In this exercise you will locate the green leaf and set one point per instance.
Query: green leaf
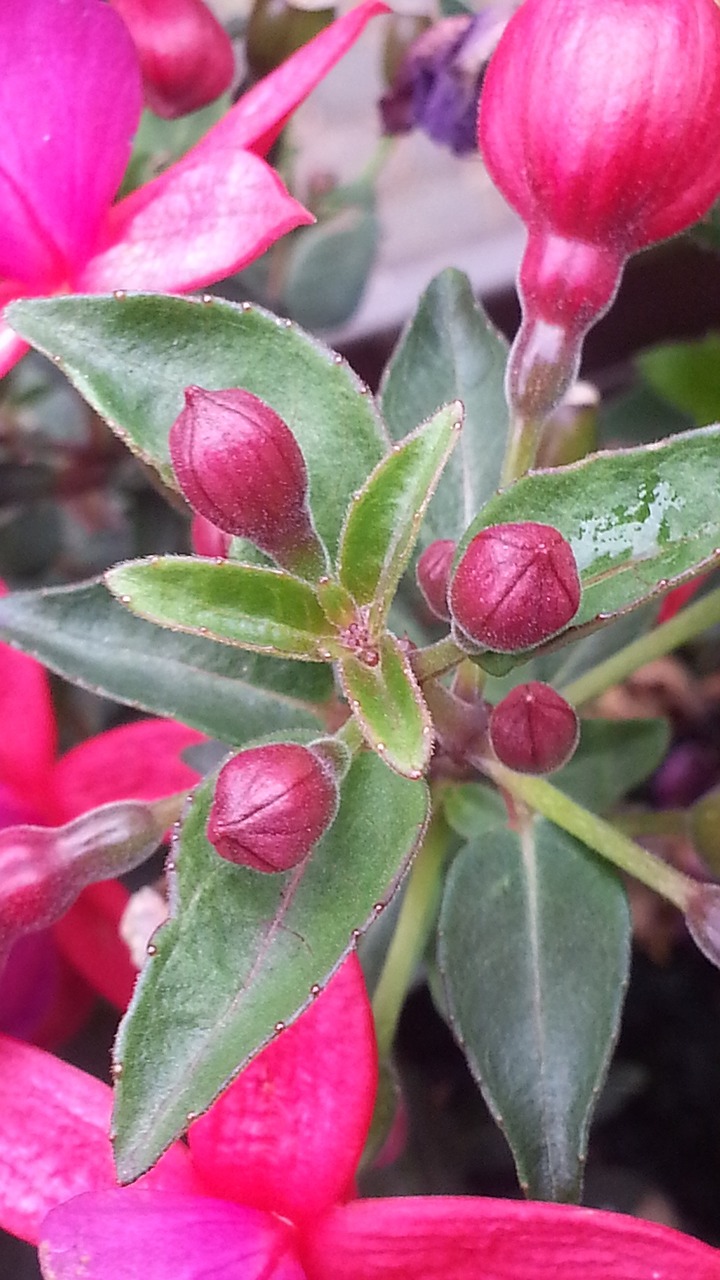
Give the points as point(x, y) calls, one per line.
point(639, 416)
point(473, 808)
point(613, 757)
point(534, 944)
point(132, 357)
point(246, 951)
point(687, 374)
point(83, 633)
point(450, 351)
point(386, 514)
point(329, 267)
point(241, 604)
point(387, 702)
point(638, 520)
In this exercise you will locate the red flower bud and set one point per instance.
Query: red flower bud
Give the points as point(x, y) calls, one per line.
point(598, 124)
point(271, 805)
point(515, 586)
point(186, 57)
point(240, 466)
point(433, 575)
point(533, 729)
point(208, 540)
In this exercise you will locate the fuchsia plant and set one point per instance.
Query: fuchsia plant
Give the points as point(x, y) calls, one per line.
point(357, 735)
point(242, 1207)
point(71, 87)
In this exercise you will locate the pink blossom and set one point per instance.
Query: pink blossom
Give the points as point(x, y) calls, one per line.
point(264, 1192)
point(70, 95)
point(51, 976)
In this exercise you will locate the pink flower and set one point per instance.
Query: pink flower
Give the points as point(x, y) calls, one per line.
point(70, 94)
point(263, 1193)
point(51, 976)
point(186, 57)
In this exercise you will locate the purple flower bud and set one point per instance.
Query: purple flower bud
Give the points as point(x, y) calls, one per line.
point(533, 729)
point(271, 805)
point(437, 85)
point(433, 575)
point(515, 586)
point(240, 466)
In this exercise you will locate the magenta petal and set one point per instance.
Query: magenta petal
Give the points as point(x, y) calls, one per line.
point(258, 116)
point(12, 348)
point(288, 1134)
point(137, 761)
point(454, 1238)
point(27, 741)
point(136, 1235)
point(70, 102)
point(208, 215)
point(54, 1122)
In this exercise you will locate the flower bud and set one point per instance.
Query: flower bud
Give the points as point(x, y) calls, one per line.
point(533, 729)
point(277, 28)
point(240, 466)
point(433, 575)
point(515, 586)
point(597, 123)
point(208, 540)
point(271, 805)
point(186, 57)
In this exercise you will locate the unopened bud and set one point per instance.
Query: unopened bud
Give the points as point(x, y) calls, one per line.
point(433, 575)
point(278, 28)
point(240, 466)
point(597, 124)
point(43, 869)
point(186, 57)
point(271, 805)
point(208, 540)
point(533, 729)
point(515, 586)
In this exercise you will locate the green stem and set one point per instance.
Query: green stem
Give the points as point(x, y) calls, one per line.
point(436, 659)
point(653, 822)
point(597, 834)
point(685, 626)
point(522, 445)
point(418, 911)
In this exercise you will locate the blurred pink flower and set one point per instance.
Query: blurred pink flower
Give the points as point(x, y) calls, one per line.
point(263, 1192)
point(51, 977)
point(70, 96)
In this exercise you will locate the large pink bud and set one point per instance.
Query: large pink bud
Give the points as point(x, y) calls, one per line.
point(515, 586)
point(271, 805)
point(433, 575)
point(598, 122)
point(186, 57)
point(533, 729)
point(240, 466)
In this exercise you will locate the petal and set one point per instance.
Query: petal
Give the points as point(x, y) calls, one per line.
point(137, 761)
point(258, 117)
point(208, 215)
point(451, 1238)
point(119, 1234)
point(88, 936)
point(70, 99)
point(12, 348)
point(42, 999)
point(54, 1123)
point(27, 727)
point(287, 1135)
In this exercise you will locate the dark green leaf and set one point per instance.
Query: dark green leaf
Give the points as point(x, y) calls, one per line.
point(329, 267)
point(687, 374)
point(389, 706)
point(386, 514)
point(473, 808)
point(241, 604)
point(132, 357)
point(534, 950)
point(639, 416)
point(450, 351)
point(245, 951)
point(638, 520)
point(86, 635)
point(613, 757)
